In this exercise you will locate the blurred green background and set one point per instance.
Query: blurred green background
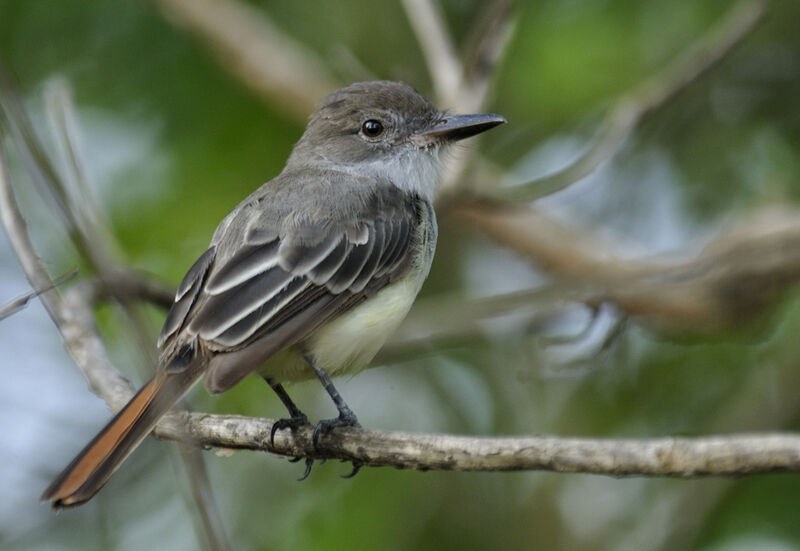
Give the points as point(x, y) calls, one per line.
point(171, 142)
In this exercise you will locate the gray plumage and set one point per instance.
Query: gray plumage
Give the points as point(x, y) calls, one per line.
point(308, 276)
point(341, 222)
point(350, 214)
point(233, 295)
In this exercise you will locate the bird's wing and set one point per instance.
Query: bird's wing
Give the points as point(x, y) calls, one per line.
point(275, 290)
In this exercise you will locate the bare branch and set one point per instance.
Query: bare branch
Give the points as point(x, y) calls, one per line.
point(732, 280)
point(494, 29)
point(438, 49)
point(349, 65)
point(201, 498)
point(463, 90)
point(630, 109)
point(718, 456)
point(17, 233)
point(251, 47)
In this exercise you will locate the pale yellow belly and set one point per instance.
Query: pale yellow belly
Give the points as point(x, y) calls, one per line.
point(347, 344)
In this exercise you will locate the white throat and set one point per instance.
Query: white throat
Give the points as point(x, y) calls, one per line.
point(412, 170)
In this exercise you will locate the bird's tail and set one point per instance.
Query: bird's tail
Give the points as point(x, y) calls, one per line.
point(95, 464)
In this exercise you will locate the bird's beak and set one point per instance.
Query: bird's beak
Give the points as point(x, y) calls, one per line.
point(451, 128)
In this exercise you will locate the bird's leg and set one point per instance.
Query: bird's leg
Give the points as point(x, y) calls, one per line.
point(297, 418)
point(346, 416)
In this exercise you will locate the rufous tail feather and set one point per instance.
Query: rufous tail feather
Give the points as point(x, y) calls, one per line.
point(95, 464)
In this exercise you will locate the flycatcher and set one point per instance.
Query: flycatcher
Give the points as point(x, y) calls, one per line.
point(307, 277)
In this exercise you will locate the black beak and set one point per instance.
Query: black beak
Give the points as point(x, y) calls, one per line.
point(451, 128)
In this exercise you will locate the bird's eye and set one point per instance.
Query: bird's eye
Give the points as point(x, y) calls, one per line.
point(372, 128)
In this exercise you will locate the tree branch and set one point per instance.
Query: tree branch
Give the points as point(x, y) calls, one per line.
point(14, 306)
point(732, 280)
point(434, 38)
point(712, 455)
point(648, 96)
point(251, 47)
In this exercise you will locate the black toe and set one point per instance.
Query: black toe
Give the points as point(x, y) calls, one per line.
point(356, 467)
point(309, 464)
point(346, 419)
point(290, 423)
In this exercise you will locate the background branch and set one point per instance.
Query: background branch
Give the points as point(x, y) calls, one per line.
point(252, 48)
point(93, 237)
point(437, 46)
point(648, 96)
point(732, 280)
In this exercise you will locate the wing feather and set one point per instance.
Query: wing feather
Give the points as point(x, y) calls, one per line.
point(249, 324)
point(350, 269)
point(220, 311)
point(297, 258)
point(247, 263)
point(281, 284)
point(395, 251)
point(188, 292)
point(367, 271)
point(323, 271)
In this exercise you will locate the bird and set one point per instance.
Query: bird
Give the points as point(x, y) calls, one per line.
point(307, 277)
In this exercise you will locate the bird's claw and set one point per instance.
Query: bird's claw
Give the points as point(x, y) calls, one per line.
point(309, 463)
point(356, 467)
point(290, 423)
point(346, 419)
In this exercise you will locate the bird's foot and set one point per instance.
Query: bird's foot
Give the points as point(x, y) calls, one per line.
point(346, 419)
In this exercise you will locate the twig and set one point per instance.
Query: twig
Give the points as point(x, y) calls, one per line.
point(19, 303)
point(17, 233)
point(349, 65)
point(630, 109)
point(494, 29)
point(201, 498)
point(92, 229)
point(93, 244)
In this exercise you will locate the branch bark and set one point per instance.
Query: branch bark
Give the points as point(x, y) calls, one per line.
point(701, 456)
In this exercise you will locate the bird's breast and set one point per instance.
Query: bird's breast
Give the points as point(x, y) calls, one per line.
point(348, 343)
